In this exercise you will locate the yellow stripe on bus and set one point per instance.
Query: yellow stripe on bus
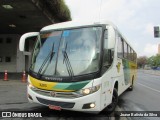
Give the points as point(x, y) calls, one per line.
point(42, 84)
point(46, 85)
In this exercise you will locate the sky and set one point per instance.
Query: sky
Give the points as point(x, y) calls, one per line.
point(135, 19)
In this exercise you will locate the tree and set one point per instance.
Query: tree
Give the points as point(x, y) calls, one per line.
point(157, 60)
point(141, 61)
point(154, 61)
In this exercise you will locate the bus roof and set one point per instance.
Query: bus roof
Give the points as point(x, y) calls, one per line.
point(73, 24)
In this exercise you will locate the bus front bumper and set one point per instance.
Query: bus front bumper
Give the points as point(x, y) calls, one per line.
point(88, 103)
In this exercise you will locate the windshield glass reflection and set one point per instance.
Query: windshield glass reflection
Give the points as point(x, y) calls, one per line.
point(68, 52)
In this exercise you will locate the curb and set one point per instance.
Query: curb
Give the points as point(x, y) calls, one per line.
point(157, 73)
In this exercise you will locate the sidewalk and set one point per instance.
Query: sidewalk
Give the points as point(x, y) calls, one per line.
point(152, 72)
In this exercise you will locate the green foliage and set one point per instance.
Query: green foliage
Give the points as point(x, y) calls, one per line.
point(58, 8)
point(154, 61)
point(64, 11)
point(141, 61)
point(61, 10)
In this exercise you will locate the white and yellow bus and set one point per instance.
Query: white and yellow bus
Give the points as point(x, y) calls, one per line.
point(80, 66)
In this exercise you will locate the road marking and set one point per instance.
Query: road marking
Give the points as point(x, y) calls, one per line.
point(149, 87)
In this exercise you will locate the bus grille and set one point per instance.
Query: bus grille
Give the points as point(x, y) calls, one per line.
point(62, 104)
point(57, 94)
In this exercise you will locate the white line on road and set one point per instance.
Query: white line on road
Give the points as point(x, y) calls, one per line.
point(149, 87)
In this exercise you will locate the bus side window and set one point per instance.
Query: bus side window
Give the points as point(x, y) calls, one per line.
point(135, 57)
point(129, 52)
point(120, 48)
point(132, 57)
point(125, 50)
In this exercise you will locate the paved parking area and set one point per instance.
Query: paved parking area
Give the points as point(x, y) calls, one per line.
point(13, 96)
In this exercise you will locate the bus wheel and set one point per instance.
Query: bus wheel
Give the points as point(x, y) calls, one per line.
point(110, 108)
point(131, 87)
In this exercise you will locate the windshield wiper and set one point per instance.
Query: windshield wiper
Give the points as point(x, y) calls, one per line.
point(50, 55)
point(67, 62)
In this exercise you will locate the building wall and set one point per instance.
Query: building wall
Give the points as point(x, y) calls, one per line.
point(20, 66)
point(11, 59)
point(159, 49)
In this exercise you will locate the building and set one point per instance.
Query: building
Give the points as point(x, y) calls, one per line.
point(159, 49)
point(19, 17)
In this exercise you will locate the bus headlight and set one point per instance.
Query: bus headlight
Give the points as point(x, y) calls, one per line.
point(31, 86)
point(88, 91)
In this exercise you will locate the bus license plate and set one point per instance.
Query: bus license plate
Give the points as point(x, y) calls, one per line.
point(53, 107)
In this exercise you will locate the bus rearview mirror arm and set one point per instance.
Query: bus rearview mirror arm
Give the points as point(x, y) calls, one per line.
point(24, 37)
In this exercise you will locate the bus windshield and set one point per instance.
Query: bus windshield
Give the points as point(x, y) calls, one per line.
point(67, 52)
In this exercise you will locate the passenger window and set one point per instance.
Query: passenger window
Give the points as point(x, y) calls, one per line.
point(120, 48)
point(135, 57)
point(132, 57)
point(125, 49)
point(129, 53)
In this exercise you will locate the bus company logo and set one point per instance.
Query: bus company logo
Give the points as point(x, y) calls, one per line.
point(52, 93)
point(55, 79)
point(118, 67)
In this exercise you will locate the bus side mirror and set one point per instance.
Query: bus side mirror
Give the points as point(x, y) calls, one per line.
point(110, 34)
point(23, 39)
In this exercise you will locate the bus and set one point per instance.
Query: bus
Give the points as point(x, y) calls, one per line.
point(79, 66)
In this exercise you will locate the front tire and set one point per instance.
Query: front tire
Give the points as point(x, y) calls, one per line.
point(110, 108)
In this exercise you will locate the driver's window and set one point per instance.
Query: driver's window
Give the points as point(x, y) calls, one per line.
point(107, 53)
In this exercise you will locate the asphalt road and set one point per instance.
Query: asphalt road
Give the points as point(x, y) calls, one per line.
point(144, 97)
